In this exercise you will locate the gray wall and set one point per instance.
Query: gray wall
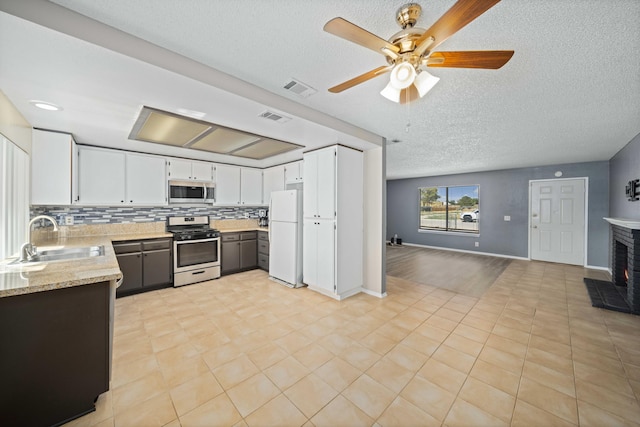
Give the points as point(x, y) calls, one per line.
point(624, 166)
point(503, 192)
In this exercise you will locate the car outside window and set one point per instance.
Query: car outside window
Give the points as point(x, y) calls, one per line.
point(450, 208)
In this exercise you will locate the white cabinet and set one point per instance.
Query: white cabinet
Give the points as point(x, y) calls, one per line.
point(189, 170)
point(54, 168)
point(272, 180)
point(101, 176)
point(320, 184)
point(333, 221)
point(250, 186)
point(145, 180)
point(293, 172)
point(113, 177)
point(237, 185)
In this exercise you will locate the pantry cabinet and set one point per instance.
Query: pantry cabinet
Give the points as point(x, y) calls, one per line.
point(333, 221)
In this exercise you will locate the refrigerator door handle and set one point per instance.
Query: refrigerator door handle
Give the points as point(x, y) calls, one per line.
point(269, 224)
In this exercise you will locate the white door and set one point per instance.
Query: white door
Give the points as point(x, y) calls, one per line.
point(326, 265)
point(179, 169)
point(310, 252)
point(310, 201)
point(283, 251)
point(557, 221)
point(272, 180)
point(284, 206)
point(227, 185)
point(251, 186)
point(145, 180)
point(101, 178)
point(327, 183)
point(201, 171)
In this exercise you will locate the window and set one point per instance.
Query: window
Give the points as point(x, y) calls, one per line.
point(450, 208)
point(14, 197)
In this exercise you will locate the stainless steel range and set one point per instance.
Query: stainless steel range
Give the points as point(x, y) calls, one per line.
point(196, 249)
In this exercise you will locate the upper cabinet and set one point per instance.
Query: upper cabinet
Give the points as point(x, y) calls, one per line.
point(112, 177)
point(272, 180)
point(237, 185)
point(189, 170)
point(319, 184)
point(293, 172)
point(54, 164)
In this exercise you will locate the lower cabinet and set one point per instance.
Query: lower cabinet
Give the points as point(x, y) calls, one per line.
point(239, 252)
point(145, 265)
point(263, 250)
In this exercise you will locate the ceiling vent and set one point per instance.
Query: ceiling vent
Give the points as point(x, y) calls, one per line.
point(276, 117)
point(299, 88)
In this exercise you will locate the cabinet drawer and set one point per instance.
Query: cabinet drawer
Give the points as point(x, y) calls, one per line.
point(249, 235)
point(263, 235)
point(126, 248)
point(263, 247)
point(230, 237)
point(263, 261)
point(154, 245)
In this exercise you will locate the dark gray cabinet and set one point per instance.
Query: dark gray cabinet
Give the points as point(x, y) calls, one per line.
point(145, 265)
point(263, 250)
point(239, 252)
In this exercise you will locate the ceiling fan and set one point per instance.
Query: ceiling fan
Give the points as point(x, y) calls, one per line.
point(411, 49)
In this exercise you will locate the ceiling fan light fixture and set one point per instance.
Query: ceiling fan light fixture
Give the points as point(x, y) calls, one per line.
point(402, 75)
point(424, 82)
point(391, 93)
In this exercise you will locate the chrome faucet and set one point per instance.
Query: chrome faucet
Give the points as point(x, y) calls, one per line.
point(28, 251)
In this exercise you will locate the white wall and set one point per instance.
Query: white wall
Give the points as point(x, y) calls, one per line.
point(374, 208)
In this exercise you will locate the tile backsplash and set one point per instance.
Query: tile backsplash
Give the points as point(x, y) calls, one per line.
point(124, 215)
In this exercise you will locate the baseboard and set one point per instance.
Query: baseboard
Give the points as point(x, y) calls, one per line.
point(595, 267)
point(466, 251)
point(374, 293)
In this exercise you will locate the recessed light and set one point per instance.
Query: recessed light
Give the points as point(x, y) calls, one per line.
point(46, 105)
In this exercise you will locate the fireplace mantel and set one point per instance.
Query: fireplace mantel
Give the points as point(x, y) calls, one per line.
point(633, 224)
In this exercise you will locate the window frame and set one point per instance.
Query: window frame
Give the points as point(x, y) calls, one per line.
point(447, 229)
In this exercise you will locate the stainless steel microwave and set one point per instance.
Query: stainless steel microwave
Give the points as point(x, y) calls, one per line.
point(192, 192)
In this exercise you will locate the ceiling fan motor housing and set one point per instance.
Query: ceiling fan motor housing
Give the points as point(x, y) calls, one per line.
point(408, 14)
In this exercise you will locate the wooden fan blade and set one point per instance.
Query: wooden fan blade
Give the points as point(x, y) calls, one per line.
point(490, 59)
point(342, 28)
point(361, 79)
point(460, 14)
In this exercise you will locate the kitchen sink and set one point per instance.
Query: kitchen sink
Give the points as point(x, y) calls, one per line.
point(63, 254)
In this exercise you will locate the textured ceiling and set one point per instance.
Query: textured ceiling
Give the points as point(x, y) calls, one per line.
point(569, 94)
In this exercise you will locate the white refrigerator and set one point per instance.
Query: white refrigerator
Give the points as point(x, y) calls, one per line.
point(285, 237)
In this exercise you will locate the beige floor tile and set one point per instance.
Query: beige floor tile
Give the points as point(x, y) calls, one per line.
point(550, 346)
point(369, 395)
point(433, 332)
point(507, 345)
point(475, 334)
point(218, 411)
point(252, 393)
point(548, 399)
point(550, 378)
point(169, 340)
point(527, 415)
point(420, 343)
point(511, 333)
point(338, 373)
point(293, 342)
point(490, 399)
point(463, 344)
point(620, 404)
point(378, 342)
point(136, 392)
point(464, 414)
point(310, 394)
point(221, 355)
point(194, 393)
point(156, 411)
point(429, 397)
point(313, 356)
point(442, 375)
point(360, 356)
point(208, 342)
point(286, 372)
point(278, 412)
point(267, 355)
point(495, 376)
point(550, 360)
point(235, 371)
point(454, 358)
point(390, 374)
point(441, 322)
point(407, 357)
point(402, 413)
point(179, 372)
point(594, 375)
point(124, 373)
point(591, 415)
point(341, 412)
point(604, 363)
point(635, 386)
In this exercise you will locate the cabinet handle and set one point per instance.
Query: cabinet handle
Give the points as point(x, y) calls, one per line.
point(198, 272)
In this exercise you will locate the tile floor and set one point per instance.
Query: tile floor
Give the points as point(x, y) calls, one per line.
point(243, 350)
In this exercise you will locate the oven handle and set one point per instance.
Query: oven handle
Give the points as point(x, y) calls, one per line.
point(182, 242)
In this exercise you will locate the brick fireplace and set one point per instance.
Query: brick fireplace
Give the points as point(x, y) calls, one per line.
point(625, 263)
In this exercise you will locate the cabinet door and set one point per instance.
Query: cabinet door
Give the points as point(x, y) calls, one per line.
point(272, 180)
point(293, 172)
point(248, 254)
point(131, 267)
point(310, 199)
point(179, 169)
point(251, 186)
point(326, 183)
point(227, 185)
point(310, 251)
point(201, 171)
point(101, 179)
point(230, 260)
point(326, 255)
point(156, 267)
point(146, 184)
point(52, 160)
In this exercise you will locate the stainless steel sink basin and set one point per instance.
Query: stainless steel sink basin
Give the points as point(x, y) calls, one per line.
point(63, 254)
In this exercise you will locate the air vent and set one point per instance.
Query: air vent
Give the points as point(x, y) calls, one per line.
point(276, 117)
point(299, 88)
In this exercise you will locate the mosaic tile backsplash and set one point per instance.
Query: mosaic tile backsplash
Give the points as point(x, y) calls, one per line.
point(124, 215)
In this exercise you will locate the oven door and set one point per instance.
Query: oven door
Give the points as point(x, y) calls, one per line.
point(194, 254)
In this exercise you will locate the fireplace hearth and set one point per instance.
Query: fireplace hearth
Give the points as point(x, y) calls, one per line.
point(623, 292)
